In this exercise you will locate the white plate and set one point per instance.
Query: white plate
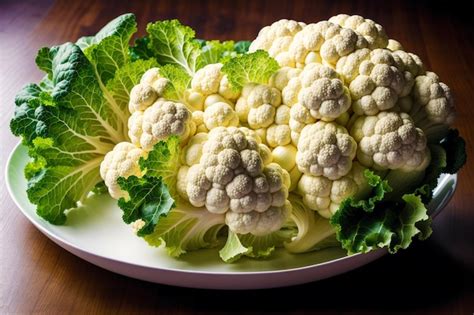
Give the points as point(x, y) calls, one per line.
point(95, 232)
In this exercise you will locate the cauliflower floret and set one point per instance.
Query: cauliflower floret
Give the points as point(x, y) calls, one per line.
point(325, 149)
point(258, 223)
point(390, 141)
point(324, 195)
point(137, 225)
point(322, 92)
point(162, 119)
point(278, 135)
point(182, 181)
point(122, 161)
point(324, 42)
point(432, 107)
point(276, 39)
point(141, 97)
point(227, 91)
point(394, 45)
point(257, 105)
point(207, 79)
point(281, 78)
point(375, 81)
point(300, 116)
point(192, 152)
point(144, 94)
point(220, 114)
point(372, 32)
point(231, 175)
point(152, 77)
point(135, 129)
point(198, 119)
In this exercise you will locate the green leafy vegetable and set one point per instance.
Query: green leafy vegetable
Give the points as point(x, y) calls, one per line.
point(179, 81)
point(163, 161)
point(187, 228)
point(173, 43)
point(362, 226)
point(242, 47)
point(75, 115)
point(254, 246)
point(149, 201)
point(255, 67)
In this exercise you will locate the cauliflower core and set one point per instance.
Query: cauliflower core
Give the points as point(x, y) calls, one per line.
point(231, 178)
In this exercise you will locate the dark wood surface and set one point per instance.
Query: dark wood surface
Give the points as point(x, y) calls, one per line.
point(433, 277)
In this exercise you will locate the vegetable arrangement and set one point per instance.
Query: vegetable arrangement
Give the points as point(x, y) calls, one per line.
point(312, 135)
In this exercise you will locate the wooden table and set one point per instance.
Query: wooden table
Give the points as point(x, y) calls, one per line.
point(434, 277)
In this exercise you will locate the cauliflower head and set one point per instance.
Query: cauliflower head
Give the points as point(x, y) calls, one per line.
point(231, 177)
point(325, 149)
point(390, 140)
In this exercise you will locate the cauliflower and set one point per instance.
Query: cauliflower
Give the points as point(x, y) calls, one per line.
point(158, 122)
point(208, 86)
point(150, 88)
point(257, 105)
point(325, 195)
point(321, 90)
point(276, 39)
point(372, 32)
point(122, 161)
point(390, 140)
point(220, 114)
point(231, 178)
point(431, 106)
point(375, 82)
point(325, 149)
point(324, 42)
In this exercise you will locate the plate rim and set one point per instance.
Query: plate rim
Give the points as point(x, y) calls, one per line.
point(70, 247)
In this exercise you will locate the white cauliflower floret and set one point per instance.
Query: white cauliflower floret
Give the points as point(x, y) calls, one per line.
point(220, 114)
point(257, 105)
point(372, 32)
point(394, 45)
point(122, 161)
point(231, 175)
point(324, 42)
point(162, 119)
point(281, 78)
point(325, 149)
point(192, 152)
point(278, 135)
point(375, 81)
point(390, 141)
point(198, 119)
point(431, 106)
point(207, 79)
point(141, 97)
point(300, 116)
point(137, 225)
point(276, 39)
point(324, 195)
point(322, 92)
point(144, 94)
point(258, 223)
point(227, 91)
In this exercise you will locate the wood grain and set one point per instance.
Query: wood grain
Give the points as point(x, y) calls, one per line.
point(434, 277)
